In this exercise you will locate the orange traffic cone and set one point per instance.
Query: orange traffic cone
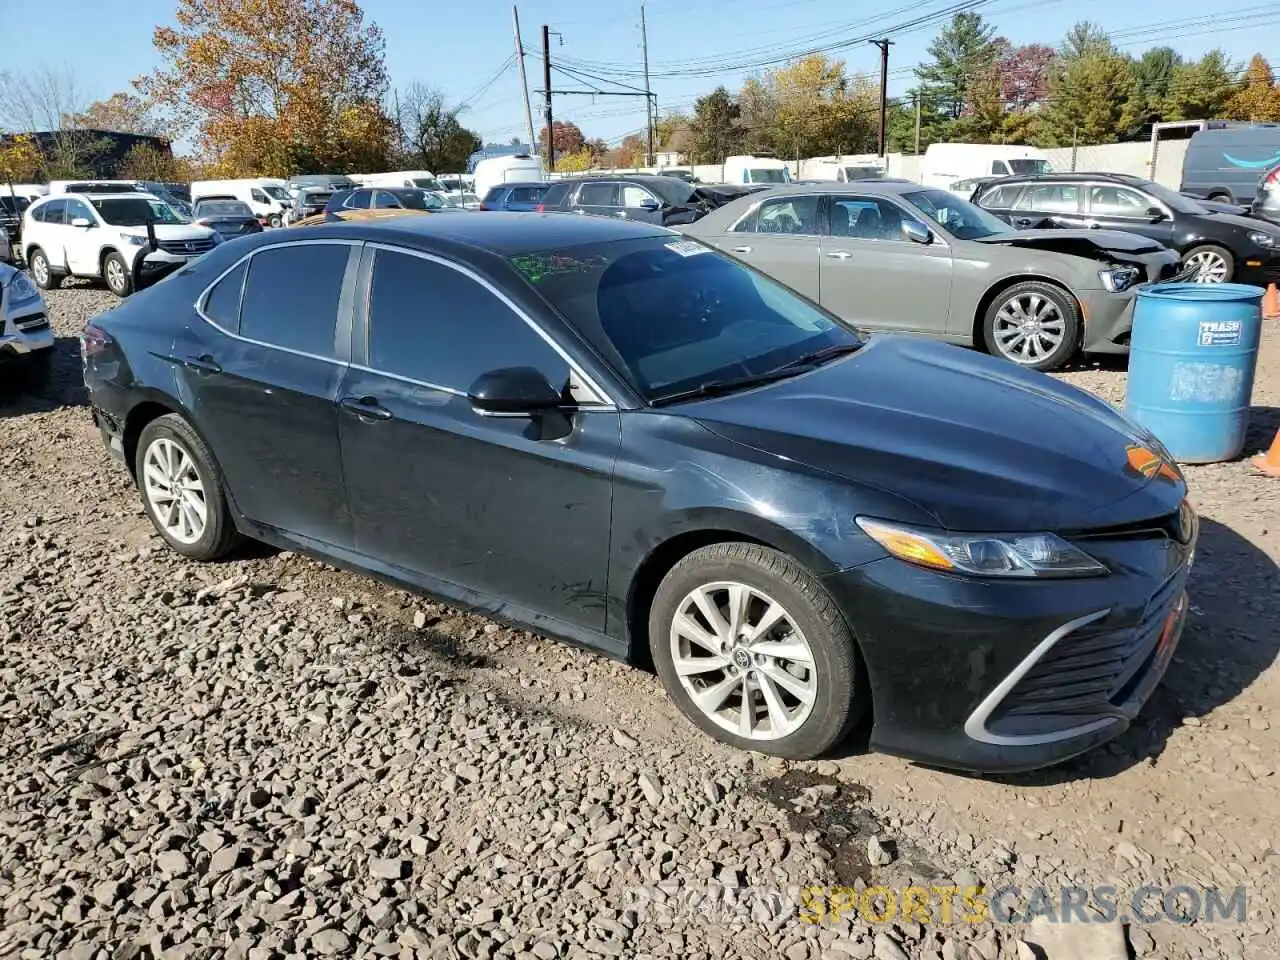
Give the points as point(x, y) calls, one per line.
point(1269, 462)
point(1271, 303)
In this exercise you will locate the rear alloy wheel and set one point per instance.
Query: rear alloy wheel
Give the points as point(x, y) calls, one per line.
point(1213, 264)
point(1034, 324)
point(181, 491)
point(753, 650)
point(42, 273)
point(274, 220)
point(116, 272)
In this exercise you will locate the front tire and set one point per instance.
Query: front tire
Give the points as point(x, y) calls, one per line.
point(116, 272)
point(753, 650)
point(1033, 324)
point(181, 489)
point(1214, 264)
point(274, 220)
point(42, 273)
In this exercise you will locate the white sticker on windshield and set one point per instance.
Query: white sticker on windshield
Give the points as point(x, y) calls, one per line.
point(687, 248)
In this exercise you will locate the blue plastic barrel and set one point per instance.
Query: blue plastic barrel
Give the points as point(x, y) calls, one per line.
point(1192, 356)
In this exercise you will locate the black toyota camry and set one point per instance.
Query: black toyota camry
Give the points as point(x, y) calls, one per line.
point(607, 433)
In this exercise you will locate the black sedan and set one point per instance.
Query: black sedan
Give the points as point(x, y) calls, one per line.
point(599, 430)
point(1220, 247)
point(226, 217)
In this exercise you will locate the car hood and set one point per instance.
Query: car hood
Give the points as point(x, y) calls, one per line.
point(1249, 224)
point(1084, 243)
point(977, 442)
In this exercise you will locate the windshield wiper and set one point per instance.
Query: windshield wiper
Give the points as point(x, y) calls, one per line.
point(816, 357)
point(714, 388)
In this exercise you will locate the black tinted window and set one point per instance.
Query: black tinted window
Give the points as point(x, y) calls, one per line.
point(556, 194)
point(291, 297)
point(431, 323)
point(222, 306)
point(525, 194)
point(598, 195)
point(53, 211)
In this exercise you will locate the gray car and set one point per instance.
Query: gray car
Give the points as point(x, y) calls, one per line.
point(900, 257)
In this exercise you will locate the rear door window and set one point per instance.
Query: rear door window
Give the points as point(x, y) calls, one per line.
point(524, 195)
point(599, 195)
point(291, 297)
point(1050, 198)
point(796, 215)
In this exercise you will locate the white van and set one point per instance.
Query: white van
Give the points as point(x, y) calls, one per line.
point(516, 168)
point(423, 179)
point(267, 197)
point(749, 169)
point(947, 163)
point(32, 191)
point(867, 166)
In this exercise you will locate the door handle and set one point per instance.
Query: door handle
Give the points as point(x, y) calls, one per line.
point(366, 407)
point(741, 249)
point(202, 364)
point(839, 254)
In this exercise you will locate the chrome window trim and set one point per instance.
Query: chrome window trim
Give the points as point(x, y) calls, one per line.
point(603, 400)
point(204, 296)
point(976, 726)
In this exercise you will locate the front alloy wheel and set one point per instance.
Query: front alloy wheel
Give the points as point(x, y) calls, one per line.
point(753, 650)
point(1034, 324)
point(1211, 264)
point(116, 272)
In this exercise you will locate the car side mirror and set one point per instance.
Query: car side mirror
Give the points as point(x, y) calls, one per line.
point(82, 222)
point(514, 392)
point(916, 232)
point(1155, 213)
point(648, 203)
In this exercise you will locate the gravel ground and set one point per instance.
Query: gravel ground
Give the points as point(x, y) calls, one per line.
point(270, 758)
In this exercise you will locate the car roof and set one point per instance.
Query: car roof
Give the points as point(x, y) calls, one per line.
point(873, 185)
point(596, 177)
point(1068, 177)
point(501, 233)
point(120, 195)
point(521, 183)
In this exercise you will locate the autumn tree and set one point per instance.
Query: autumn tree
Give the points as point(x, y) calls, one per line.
point(146, 162)
point(1004, 97)
point(1201, 89)
point(1258, 99)
point(122, 113)
point(716, 131)
point(432, 136)
point(20, 159)
point(819, 110)
point(628, 154)
point(566, 137)
point(276, 87)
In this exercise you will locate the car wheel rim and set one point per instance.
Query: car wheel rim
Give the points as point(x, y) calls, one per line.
point(40, 268)
point(1029, 327)
point(1209, 267)
point(743, 661)
point(115, 275)
point(174, 490)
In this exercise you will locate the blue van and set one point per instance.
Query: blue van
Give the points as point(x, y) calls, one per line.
point(1226, 163)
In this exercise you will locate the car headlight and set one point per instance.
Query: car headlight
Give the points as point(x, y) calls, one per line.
point(1119, 279)
point(1023, 555)
point(21, 289)
point(133, 240)
point(1268, 240)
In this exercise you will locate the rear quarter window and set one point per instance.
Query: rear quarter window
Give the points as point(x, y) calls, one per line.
point(222, 305)
point(555, 195)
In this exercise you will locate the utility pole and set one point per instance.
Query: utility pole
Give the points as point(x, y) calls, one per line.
point(546, 86)
point(649, 111)
point(884, 46)
point(524, 83)
point(917, 123)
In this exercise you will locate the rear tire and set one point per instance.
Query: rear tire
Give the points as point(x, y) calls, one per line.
point(274, 220)
point(799, 670)
point(42, 273)
point(182, 489)
point(1040, 317)
point(116, 273)
point(1220, 198)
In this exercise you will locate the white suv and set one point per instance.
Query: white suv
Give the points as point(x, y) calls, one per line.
point(104, 236)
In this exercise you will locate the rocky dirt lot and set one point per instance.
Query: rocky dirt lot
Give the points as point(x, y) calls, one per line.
point(269, 758)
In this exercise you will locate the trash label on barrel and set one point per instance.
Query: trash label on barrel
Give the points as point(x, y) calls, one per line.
point(1220, 333)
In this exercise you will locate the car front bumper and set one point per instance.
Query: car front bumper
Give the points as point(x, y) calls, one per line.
point(1108, 320)
point(990, 676)
point(25, 333)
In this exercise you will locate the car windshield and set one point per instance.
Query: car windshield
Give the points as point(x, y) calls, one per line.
point(1170, 198)
point(674, 191)
point(674, 315)
point(11, 203)
point(134, 211)
point(426, 183)
point(276, 192)
point(767, 175)
point(223, 208)
point(863, 173)
point(1029, 168)
point(956, 216)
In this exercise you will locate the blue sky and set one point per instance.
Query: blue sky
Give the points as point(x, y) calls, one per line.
point(461, 47)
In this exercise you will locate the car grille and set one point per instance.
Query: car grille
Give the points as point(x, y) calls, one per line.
point(1092, 671)
point(32, 324)
point(186, 248)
